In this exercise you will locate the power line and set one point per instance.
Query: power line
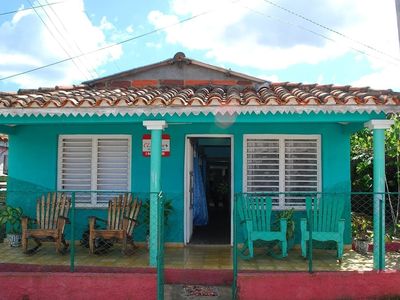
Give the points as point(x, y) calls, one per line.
point(29, 8)
point(54, 37)
point(330, 29)
point(109, 46)
point(67, 48)
point(88, 67)
point(317, 33)
point(205, 13)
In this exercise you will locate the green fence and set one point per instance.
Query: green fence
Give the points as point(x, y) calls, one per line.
point(84, 206)
point(358, 215)
point(359, 233)
point(2, 206)
point(160, 245)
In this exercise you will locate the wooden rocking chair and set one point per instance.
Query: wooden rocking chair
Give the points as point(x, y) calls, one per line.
point(51, 217)
point(122, 219)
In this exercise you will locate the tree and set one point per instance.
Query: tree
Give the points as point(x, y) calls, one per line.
point(362, 166)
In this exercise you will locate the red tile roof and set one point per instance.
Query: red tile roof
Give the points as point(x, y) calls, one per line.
point(294, 97)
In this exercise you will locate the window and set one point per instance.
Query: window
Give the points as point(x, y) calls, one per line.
point(94, 162)
point(282, 164)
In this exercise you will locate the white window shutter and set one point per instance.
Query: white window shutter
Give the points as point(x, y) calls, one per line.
point(262, 172)
point(301, 169)
point(91, 162)
point(112, 166)
point(289, 165)
point(75, 165)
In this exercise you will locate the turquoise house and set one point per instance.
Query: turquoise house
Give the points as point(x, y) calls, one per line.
point(221, 133)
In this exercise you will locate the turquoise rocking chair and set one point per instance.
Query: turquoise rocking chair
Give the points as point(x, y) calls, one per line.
point(327, 223)
point(255, 219)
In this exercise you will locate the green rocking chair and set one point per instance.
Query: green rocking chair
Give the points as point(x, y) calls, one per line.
point(255, 218)
point(327, 222)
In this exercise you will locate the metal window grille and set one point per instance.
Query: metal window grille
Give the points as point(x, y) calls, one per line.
point(94, 163)
point(289, 165)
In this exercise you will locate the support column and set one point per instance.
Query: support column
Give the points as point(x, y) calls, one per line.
point(378, 127)
point(156, 128)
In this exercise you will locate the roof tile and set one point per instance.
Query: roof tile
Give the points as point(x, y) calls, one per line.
point(141, 94)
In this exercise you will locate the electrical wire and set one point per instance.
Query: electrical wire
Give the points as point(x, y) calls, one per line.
point(205, 13)
point(85, 63)
point(109, 46)
point(331, 30)
point(29, 8)
point(58, 42)
point(318, 34)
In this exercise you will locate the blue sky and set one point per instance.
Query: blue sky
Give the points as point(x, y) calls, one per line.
point(257, 37)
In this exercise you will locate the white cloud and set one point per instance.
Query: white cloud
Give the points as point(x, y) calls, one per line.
point(129, 29)
point(259, 35)
point(27, 44)
point(105, 24)
point(384, 78)
point(154, 45)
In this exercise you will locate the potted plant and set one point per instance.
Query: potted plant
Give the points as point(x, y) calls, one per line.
point(146, 216)
point(289, 216)
point(12, 217)
point(361, 227)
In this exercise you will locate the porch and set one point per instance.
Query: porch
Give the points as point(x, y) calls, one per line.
point(191, 257)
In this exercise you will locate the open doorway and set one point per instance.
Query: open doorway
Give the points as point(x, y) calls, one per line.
point(208, 197)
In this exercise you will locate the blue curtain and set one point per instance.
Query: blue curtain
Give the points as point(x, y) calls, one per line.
point(200, 212)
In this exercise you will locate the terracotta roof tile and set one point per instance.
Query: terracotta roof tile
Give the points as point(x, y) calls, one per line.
point(266, 95)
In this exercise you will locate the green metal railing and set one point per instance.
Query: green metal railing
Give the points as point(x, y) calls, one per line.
point(81, 209)
point(72, 255)
point(160, 245)
point(73, 194)
point(160, 235)
point(361, 206)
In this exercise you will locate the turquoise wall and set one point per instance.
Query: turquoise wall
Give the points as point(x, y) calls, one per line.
point(33, 160)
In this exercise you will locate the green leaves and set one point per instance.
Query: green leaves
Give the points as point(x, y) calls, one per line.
point(145, 211)
point(11, 216)
point(362, 157)
point(288, 215)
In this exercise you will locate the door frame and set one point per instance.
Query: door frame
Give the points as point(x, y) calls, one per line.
point(186, 197)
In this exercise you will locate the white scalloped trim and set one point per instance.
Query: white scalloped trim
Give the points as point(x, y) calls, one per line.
point(221, 110)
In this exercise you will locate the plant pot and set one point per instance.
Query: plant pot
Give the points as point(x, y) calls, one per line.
point(14, 240)
point(393, 246)
point(361, 246)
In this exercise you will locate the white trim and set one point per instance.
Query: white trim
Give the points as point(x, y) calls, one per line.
point(281, 150)
point(282, 138)
point(94, 171)
point(186, 193)
point(185, 178)
point(196, 110)
point(379, 124)
point(155, 125)
point(94, 149)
